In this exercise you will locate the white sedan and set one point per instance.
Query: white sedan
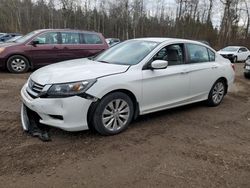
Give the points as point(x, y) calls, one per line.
point(136, 77)
point(235, 53)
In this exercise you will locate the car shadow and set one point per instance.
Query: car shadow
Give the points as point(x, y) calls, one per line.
point(58, 133)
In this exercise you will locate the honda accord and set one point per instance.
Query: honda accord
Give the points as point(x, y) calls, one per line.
point(135, 77)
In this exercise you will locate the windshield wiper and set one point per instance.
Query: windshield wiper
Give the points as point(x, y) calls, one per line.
point(104, 62)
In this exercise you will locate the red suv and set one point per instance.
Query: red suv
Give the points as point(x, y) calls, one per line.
point(43, 47)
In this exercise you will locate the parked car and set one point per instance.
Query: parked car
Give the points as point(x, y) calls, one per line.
point(112, 41)
point(133, 78)
point(14, 38)
point(44, 47)
point(247, 68)
point(235, 53)
point(204, 42)
point(8, 36)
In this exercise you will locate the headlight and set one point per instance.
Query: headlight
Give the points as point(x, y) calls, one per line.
point(70, 89)
point(1, 50)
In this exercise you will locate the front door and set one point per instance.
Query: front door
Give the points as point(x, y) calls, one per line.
point(46, 51)
point(165, 88)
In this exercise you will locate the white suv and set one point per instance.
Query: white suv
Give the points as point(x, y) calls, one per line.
point(135, 77)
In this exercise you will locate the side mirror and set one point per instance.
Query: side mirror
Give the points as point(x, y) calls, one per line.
point(159, 64)
point(34, 42)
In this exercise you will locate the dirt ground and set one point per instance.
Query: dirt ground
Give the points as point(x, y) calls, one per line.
point(191, 146)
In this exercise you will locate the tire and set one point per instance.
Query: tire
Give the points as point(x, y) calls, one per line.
point(216, 93)
point(113, 114)
point(17, 64)
point(235, 59)
point(248, 58)
point(247, 75)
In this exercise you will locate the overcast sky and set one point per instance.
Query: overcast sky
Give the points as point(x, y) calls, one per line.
point(171, 6)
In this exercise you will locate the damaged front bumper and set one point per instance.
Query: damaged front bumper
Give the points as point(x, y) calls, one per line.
point(69, 114)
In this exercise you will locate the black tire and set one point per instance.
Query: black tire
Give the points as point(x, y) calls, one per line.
point(99, 115)
point(235, 59)
point(247, 75)
point(212, 98)
point(22, 64)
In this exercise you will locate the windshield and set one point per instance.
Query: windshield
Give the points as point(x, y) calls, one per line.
point(127, 53)
point(230, 49)
point(13, 39)
point(27, 37)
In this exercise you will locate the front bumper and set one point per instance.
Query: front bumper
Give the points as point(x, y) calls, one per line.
point(230, 57)
point(72, 111)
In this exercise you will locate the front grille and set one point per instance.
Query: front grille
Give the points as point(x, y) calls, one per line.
point(34, 89)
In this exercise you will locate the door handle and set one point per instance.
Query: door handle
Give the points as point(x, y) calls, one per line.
point(184, 72)
point(214, 67)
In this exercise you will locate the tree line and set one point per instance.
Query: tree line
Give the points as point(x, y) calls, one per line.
point(124, 19)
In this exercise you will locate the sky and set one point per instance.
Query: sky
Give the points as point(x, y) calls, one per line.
point(171, 5)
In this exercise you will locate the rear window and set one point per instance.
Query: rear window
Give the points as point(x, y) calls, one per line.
point(70, 38)
point(89, 38)
point(197, 53)
point(211, 55)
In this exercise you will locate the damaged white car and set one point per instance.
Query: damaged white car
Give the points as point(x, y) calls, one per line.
point(133, 78)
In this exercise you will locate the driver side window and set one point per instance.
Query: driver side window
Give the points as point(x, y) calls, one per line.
point(47, 38)
point(174, 54)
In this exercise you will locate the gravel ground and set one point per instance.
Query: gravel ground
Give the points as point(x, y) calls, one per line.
point(191, 146)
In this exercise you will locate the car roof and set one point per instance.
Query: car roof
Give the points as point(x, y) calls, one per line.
point(161, 40)
point(235, 47)
point(58, 30)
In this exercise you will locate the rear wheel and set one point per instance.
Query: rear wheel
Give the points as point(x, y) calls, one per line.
point(217, 93)
point(18, 64)
point(113, 114)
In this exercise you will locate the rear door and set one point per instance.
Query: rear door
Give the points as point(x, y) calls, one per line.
point(80, 45)
point(46, 51)
point(94, 43)
point(71, 47)
point(203, 70)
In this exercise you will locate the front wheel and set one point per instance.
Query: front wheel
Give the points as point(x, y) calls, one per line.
point(247, 75)
point(17, 64)
point(235, 59)
point(113, 114)
point(217, 93)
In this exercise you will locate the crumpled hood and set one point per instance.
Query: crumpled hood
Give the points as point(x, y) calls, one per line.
point(75, 70)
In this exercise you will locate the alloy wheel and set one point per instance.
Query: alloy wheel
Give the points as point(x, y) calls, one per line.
point(218, 92)
point(115, 115)
point(18, 65)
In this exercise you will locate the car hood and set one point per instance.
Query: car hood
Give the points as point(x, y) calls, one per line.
point(225, 52)
point(8, 44)
point(75, 70)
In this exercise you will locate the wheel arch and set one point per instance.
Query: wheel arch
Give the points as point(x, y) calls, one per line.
point(93, 106)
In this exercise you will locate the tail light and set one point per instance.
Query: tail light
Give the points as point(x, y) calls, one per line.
point(233, 66)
